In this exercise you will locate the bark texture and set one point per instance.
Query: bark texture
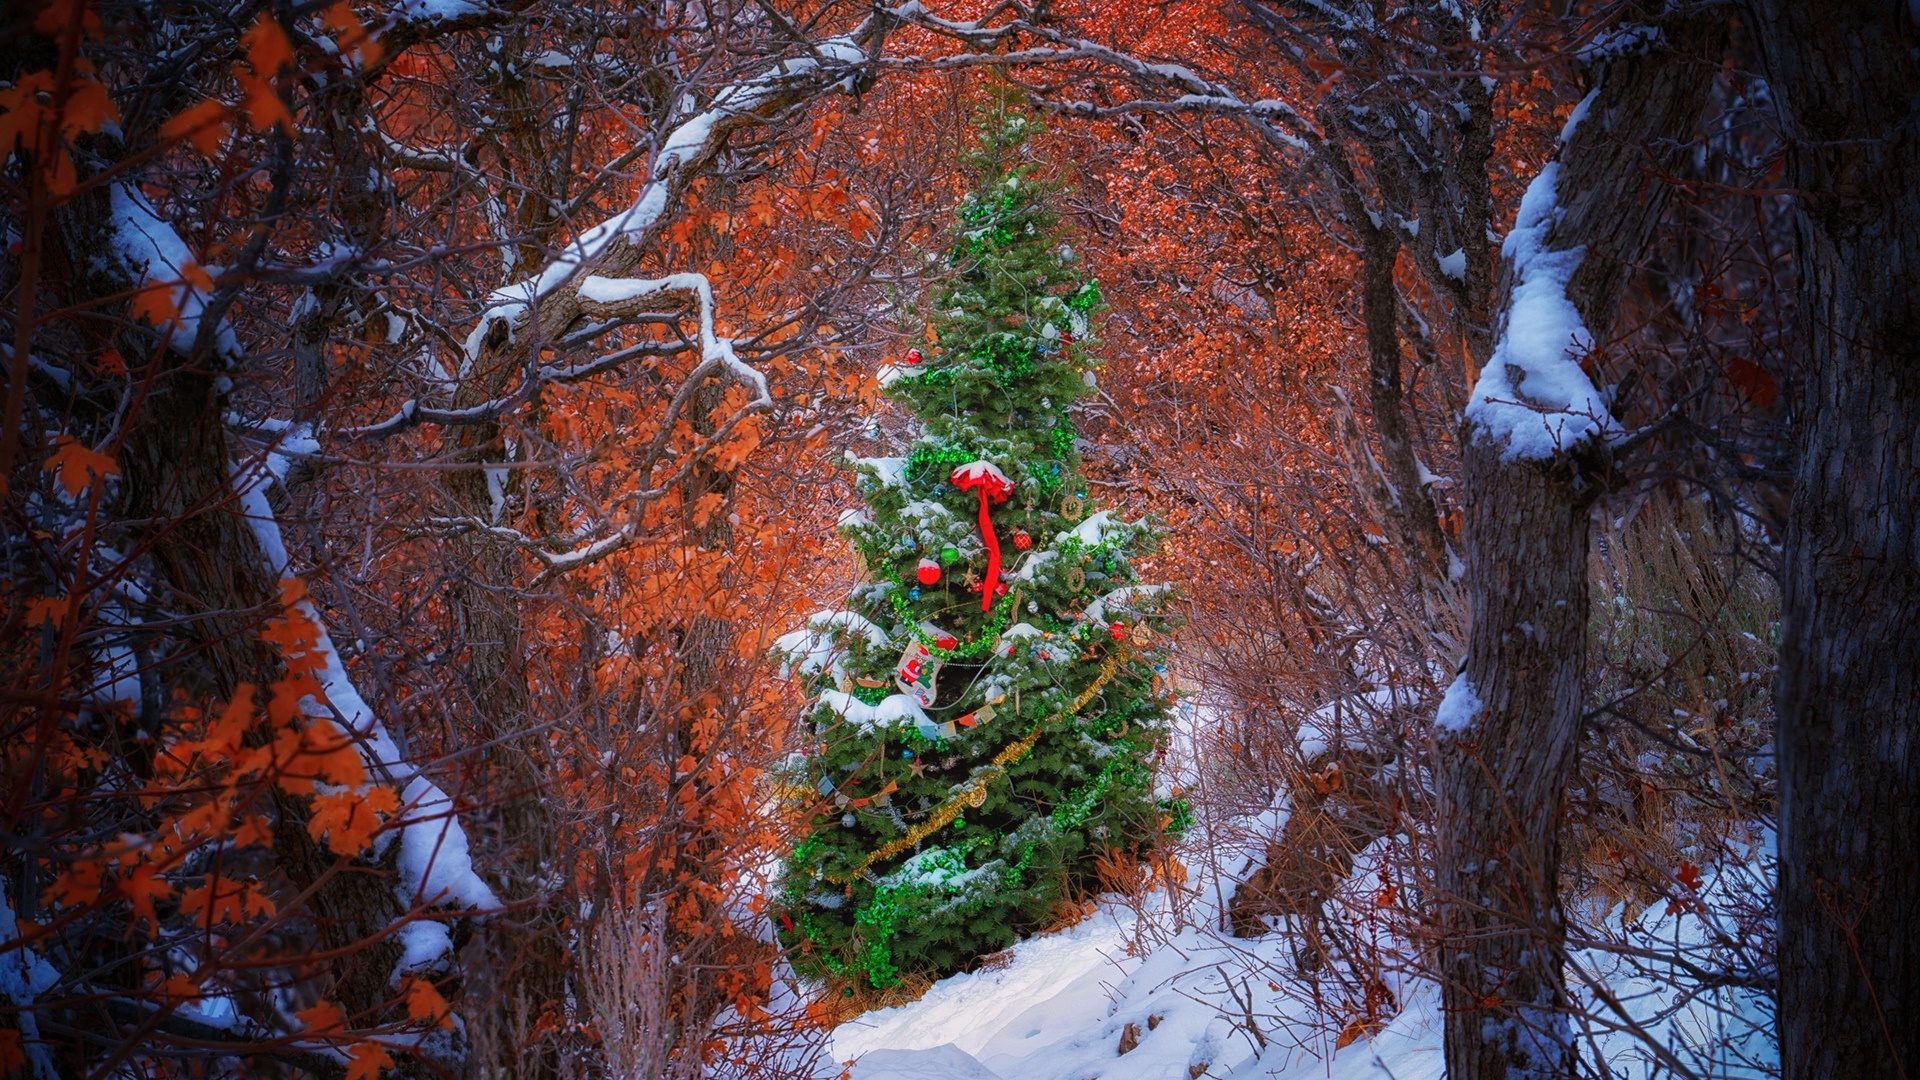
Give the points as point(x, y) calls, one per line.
point(1846, 79)
point(1502, 778)
point(176, 464)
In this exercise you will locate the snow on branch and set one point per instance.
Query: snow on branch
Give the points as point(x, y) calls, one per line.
point(435, 865)
point(1196, 93)
point(613, 246)
point(613, 299)
point(156, 258)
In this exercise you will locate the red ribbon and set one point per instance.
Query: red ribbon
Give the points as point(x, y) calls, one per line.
point(994, 487)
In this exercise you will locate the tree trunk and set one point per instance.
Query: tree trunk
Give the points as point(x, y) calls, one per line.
point(1412, 510)
point(1846, 78)
point(176, 463)
point(1502, 770)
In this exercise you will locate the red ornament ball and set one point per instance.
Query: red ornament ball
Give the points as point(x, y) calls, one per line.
point(913, 356)
point(1021, 540)
point(1117, 630)
point(929, 572)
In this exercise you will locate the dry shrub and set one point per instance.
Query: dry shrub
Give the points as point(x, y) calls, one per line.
point(840, 1000)
point(1674, 761)
point(625, 983)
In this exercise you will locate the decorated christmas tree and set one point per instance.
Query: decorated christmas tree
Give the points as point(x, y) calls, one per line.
point(987, 711)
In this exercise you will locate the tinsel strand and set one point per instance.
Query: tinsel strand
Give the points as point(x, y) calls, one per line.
point(943, 816)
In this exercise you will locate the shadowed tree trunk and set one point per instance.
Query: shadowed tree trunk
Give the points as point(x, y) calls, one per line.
point(1846, 80)
point(177, 466)
point(1502, 770)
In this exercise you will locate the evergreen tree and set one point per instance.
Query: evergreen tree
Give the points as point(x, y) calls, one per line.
point(988, 719)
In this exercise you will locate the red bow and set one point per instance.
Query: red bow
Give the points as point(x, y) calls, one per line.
point(994, 487)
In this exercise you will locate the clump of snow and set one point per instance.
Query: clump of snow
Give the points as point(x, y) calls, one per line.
point(1626, 41)
point(1091, 530)
point(890, 471)
point(1533, 397)
point(1454, 264)
point(821, 645)
point(24, 976)
point(1458, 707)
point(892, 709)
point(436, 10)
point(1579, 113)
point(1126, 600)
point(425, 946)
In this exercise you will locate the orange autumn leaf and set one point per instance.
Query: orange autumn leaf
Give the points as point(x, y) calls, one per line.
point(46, 609)
point(77, 465)
point(203, 125)
point(154, 305)
point(263, 104)
point(224, 900)
point(366, 1061)
point(323, 1019)
point(56, 17)
point(196, 275)
point(349, 819)
point(180, 987)
point(22, 113)
point(425, 1003)
point(88, 109)
point(349, 32)
point(254, 831)
point(268, 49)
point(78, 884)
point(142, 887)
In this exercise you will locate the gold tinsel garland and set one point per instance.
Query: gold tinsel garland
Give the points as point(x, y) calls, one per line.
point(975, 793)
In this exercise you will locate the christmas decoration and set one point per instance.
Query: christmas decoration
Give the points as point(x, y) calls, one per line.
point(1010, 743)
point(993, 486)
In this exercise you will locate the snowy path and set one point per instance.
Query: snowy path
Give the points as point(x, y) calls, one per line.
point(1058, 1010)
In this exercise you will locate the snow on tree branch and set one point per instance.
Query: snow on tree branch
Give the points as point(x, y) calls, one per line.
point(1533, 394)
point(1196, 93)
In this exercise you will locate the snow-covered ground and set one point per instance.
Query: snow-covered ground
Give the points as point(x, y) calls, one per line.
point(1205, 1004)
point(1058, 1009)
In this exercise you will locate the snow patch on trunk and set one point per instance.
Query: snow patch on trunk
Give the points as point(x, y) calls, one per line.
point(1533, 396)
point(1458, 707)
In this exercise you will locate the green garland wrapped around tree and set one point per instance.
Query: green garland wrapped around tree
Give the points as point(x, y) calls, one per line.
point(987, 716)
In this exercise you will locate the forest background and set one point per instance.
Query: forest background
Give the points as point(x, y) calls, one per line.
point(420, 421)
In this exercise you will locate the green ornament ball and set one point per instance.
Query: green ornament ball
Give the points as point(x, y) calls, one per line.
point(949, 554)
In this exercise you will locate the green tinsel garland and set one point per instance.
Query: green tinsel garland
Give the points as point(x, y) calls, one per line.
point(965, 651)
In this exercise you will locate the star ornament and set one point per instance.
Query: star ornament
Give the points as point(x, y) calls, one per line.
point(918, 768)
